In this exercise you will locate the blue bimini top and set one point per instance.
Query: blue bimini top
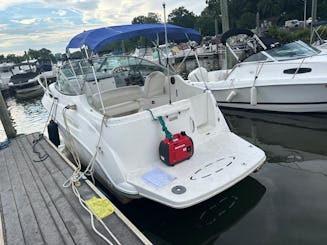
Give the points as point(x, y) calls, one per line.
point(96, 39)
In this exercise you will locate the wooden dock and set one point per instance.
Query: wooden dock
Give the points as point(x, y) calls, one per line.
point(35, 208)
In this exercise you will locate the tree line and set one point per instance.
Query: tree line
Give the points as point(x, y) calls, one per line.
point(242, 14)
point(43, 56)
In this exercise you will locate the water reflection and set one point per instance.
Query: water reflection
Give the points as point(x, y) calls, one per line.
point(200, 224)
point(28, 116)
point(301, 132)
point(283, 203)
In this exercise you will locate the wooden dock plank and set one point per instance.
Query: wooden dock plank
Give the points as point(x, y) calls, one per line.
point(35, 208)
point(26, 213)
point(52, 181)
point(48, 228)
point(113, 221)
point(11, 224)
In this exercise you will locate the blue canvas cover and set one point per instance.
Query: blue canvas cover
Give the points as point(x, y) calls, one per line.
point(96, 39)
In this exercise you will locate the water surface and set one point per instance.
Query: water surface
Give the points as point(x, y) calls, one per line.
point(283, 203)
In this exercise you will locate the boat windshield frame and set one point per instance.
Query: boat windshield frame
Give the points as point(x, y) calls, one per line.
point(289, 51)
point(75, 75)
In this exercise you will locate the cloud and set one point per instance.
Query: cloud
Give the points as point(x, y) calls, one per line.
point(60, 12)
point(3, 27)
point(25, 21)
point(51, 24)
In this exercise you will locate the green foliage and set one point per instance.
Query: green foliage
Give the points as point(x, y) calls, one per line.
point(247, 20)
point(182, 17)
point(242, 14)
point(2, 58)
point(43, 56)
point(150, 19)
point(206, 25)
point(13, 58)
point(287, 36)
point(301, 34)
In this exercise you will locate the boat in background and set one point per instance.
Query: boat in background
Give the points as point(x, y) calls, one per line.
point(25, 83)
point(6, 71)
point(289, 77)
point(142, 129)
point(316, 38)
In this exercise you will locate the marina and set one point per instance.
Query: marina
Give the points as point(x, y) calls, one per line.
point(37, 209)
point(200, 128)
point(282, 203)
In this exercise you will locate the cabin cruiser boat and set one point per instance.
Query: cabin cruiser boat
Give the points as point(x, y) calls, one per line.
point(25, 84)
point(291, 77)
point(117, 111)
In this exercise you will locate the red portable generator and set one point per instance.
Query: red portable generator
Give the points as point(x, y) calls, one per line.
point(173, 151)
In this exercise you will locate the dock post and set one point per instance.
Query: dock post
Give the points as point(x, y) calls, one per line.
point(225, 26)
point(5, 119)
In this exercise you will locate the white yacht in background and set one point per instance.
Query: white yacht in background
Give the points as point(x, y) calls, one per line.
point(119, 112)
point(290, 77)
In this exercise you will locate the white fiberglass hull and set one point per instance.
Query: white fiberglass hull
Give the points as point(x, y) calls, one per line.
point(128, 159)
point(283, 98)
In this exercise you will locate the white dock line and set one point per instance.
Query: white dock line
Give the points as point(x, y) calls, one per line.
point(130, 225)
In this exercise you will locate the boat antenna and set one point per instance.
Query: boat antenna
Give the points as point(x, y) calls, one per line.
point(166, 43)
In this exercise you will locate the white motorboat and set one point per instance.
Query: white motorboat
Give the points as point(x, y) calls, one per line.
point(106, 107)
point(288, 78)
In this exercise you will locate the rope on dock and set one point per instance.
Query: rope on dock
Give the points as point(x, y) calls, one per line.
point(41, 157)
point(4, 144)
point(78, 174)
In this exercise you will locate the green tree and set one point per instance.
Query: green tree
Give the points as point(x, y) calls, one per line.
point(206, 25)
point(43, 55)
point(182, 17)
point(13, 58)
point(213, 10)
point(151, 18)
point(2, 58)
point(247, 20)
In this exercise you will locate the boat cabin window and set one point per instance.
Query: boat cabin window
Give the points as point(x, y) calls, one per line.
point(257, 57)
point(78, 77)
point(293, 50)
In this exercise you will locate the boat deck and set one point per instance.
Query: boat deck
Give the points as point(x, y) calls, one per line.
point(35, 208)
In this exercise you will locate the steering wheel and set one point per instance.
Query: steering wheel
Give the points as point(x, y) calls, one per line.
point(119, 69)
point(134, 78)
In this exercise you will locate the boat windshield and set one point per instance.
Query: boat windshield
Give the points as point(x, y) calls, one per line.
point(289, 51)
point(77, 77)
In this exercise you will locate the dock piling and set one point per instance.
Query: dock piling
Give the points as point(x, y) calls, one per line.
point(5, 119)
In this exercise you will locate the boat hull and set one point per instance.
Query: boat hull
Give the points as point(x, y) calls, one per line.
point(283, 98)
point(29, 93)
point(131, 165)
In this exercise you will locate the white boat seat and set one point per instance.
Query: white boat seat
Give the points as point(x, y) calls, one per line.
point(200, 74)
point(119, 101)
point(155, 90)
point(154, 84)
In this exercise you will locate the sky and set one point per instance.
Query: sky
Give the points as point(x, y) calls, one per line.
point(50, 24)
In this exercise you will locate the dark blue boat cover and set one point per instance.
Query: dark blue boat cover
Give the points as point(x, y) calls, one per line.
point(96, 39)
